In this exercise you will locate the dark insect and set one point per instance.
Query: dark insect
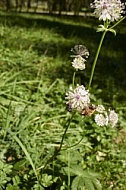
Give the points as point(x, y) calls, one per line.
point(80, 50)
point(69, 108)
point(88, 111)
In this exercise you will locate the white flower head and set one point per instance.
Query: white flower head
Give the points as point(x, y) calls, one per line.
point(79, 62)
point(101, 119)
point(108, 9)
point(113, 118)
point(100, 109)
point(106, 118)
point(78, 98)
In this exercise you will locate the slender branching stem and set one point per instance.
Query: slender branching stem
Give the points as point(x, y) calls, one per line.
point(67, 124)
point(117, 22)
point(66, 128)
point(96, 58)
point(99, 47)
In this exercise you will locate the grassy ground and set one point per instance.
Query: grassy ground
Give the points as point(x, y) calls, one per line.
point(35, 73)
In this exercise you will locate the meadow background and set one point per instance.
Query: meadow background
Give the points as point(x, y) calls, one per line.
point(35, 73)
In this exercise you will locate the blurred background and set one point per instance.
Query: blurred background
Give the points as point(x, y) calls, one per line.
point(49, 6)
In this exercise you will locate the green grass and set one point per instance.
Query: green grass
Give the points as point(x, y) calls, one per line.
point(35, 73)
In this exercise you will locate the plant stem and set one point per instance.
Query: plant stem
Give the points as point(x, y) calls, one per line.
point(99, 48)
point(68, 153)
point(67, 124)
point(96, 58)
point(73, 81)
point(117, 22)
point(61, 143)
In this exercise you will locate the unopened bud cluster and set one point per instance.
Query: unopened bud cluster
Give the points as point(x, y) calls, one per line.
point(80, 55)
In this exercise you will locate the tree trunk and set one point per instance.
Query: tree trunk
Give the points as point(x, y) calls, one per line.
point(28, 5)
point(8, 5)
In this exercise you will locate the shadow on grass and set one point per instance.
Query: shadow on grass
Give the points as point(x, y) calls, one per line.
point(111, 66)
point(67, 30)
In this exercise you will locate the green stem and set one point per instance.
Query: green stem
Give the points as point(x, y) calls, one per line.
point(96, 58)
point(67, 124)
point(61, 143)
point(73, 81)
point(117, 22)
point(68, 152)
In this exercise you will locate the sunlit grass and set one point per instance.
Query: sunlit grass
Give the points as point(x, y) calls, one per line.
point(35, 73)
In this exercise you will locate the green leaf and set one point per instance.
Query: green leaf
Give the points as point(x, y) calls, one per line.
point(26, 152)
point(46, 180)
point(88, 183)
point(77, 170)
point(97, 184)
point(16, 180)
point(112, 30)
point(10, 187)
point(20, 164)
point(77, 183)
point(101, 28)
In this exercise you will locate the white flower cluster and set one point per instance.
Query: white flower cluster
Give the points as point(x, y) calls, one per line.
point(105, 118)
point(108, 9)
point(79, 63)
point(78, 98)
point(80, 52)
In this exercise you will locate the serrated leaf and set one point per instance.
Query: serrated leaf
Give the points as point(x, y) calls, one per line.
point(88, 184)
point(77, 183)
point(97, 184)
point(92, 174)
point(10, 187)
point(73, 171)
point(77, 170)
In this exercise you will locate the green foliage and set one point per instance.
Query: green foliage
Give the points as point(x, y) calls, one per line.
point(34, 75)
point(84, 179)
point(5, 170)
